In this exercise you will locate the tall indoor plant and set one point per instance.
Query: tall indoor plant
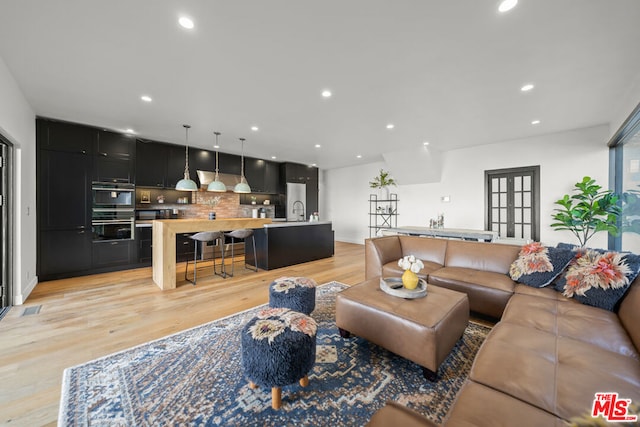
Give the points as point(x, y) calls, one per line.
point(588, 211)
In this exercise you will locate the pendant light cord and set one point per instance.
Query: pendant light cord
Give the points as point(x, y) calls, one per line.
point(186, 152)
point(242, 159)
point(217, 147)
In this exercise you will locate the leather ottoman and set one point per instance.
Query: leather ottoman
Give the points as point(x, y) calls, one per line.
point(423, 330)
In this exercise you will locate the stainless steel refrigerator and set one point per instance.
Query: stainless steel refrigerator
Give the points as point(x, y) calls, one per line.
point(296, 201)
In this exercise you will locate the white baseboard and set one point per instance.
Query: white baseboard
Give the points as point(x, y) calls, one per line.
point(20, 297)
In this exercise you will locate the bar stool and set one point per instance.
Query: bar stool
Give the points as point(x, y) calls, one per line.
point(203, 238)
point(243, 233)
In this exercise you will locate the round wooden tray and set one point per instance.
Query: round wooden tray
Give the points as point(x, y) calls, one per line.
point(393, 286)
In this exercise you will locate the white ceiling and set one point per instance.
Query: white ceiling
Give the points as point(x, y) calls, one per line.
point(448, 71)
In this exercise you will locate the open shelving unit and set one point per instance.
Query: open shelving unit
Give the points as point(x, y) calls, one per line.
point(383, 213)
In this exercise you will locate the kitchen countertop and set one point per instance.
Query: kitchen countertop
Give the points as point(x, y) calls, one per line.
point(294, 224)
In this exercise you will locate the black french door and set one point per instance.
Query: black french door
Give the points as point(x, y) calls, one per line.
point(512, 202)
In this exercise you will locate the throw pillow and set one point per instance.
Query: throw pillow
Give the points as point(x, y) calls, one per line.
point(599, 279)
point(538, 265)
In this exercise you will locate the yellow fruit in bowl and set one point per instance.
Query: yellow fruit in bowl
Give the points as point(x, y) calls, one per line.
point(409, 279)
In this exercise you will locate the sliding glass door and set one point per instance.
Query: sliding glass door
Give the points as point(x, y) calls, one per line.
point(626, 178)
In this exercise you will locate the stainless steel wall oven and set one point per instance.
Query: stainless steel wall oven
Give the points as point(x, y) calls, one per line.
point(113, 211)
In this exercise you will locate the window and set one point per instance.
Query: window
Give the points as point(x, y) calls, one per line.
point(625, 159)
point(512, 202)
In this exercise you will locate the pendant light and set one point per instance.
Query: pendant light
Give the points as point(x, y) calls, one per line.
point(242, 186)
point(216, 185)
point(186, 184)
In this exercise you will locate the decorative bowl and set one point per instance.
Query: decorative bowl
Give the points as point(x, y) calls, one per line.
point(393, 286)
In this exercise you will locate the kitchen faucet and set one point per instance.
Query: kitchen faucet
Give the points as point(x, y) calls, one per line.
point(296, 210)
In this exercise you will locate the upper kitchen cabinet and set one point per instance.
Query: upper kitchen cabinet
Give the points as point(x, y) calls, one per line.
point(151, 164)
point(295, 172)
point(61, 136)
point(262, 175)
point(229, 163)
point(114, 157)
point(175, 165)
point(254, 170)
point(200, 159)
point(271, 177)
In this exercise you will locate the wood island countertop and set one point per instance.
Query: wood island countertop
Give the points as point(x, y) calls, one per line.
point(164, 241)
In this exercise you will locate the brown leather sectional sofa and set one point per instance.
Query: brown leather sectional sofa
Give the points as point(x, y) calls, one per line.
point(547, 356)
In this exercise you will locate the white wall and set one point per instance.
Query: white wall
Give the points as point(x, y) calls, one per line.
point(564, 158)
point(17, 124)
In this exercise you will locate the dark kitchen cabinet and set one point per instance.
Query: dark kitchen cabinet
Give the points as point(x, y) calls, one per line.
point(63, 253)
point(113, 253)
point(200, 159)
point(271, 177)
point(114, 158)
point(63, 193)
point(151, 164)
point(64, 190)
point(175, 165)
point(185, 247)
point(144, 240)
point(254, 171)
point(262, 175)
point(229, 163)
point(69, 137)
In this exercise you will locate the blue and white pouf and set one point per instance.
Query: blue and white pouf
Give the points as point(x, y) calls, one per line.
point(296, 293)
point(278, 349)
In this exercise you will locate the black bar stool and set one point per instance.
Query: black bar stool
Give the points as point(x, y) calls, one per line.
point(203, 238)
point(243, 233)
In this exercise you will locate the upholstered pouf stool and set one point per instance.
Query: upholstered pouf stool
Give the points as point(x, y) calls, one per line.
point(296, 293)
point(278, 349)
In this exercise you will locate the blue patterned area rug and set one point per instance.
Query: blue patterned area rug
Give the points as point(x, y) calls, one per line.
point(194, 377)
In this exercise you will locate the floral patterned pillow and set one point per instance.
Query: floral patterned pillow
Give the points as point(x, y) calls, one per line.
point(599, 279)
point(538, 265)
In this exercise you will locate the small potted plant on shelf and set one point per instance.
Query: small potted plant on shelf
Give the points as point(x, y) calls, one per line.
point(382, 182)
point(589, 210)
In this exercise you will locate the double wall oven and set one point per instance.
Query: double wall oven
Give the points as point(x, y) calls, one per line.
point(113, 211)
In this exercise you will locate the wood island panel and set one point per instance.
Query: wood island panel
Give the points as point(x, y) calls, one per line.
point(164, 241)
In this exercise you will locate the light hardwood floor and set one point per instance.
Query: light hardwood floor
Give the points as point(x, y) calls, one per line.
point(84, 318)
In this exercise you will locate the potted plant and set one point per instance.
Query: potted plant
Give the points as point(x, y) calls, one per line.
point(588, 211)
point(382, 183)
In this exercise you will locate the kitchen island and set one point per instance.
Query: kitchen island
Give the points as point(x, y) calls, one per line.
point(164, 241)
point(281, 244)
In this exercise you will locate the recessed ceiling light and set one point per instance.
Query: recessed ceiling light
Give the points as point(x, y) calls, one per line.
point(390, 126)
point(507, 5)
point(314, 165)
point(317, 145)
point(273, 157)
point(146, 98)
point(326, 93)
point(535, 122)
point(527, 87)
point(216, 146)
point(254, 128)
point(359, 156)
point(425, 143)
point(186, 23)
point(130, 130)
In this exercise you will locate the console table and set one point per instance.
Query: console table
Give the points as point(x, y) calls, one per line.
point(451, 233)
